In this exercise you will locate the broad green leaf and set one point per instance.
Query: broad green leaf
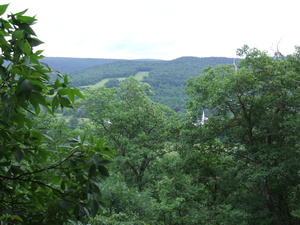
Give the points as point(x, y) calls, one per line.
point(27, 48)
point(66, 79)
point(3, 9)
point(3, 44)
point(18, 34)
point(26, 19)
point(103, 171)
point(15, 71)
point(65, 102)
point(55, 103)
point(77, 93)
point(3, 73)
point(38, 52)
point(37, 98)
point(71, 96)
point(56, 84)
point(100, 143)
point(102, 206)
point(56, 180)
point(21, 13)
point(92, 171)
point(19, 155)
point(26, 88)
point(95, 208)
point(38, 85)
point(63, 91)
point(94, 188)
point(34, 42)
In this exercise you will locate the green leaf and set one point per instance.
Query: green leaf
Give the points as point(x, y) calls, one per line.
point(56, 84)
point(27, 19)
point(100, 143)
point(34, 42)
point(77, 93)
point(92, 171)
point(3, 9)
point(65, 102)
point(71, 96)
point(66, 79)
point(95, 208)
point(27, 48)
point(38, 85)
point(24, 47)
point(19, 155)
point(63, 91)
point(21, 13)
point(18, 34)
point(55, 103)
point(3, 73)
point(103, 171)
point(26, 88)
point(102, 206)
point(37, 98)
point(11, 217)
point(3, 44)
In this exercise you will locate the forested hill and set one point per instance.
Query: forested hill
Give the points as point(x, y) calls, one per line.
point(162, 71)
point(166, 77)
point(68, 65)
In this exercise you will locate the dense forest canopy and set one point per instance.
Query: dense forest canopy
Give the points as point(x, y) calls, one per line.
point(163, 166)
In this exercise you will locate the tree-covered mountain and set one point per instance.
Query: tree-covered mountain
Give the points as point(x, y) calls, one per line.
point(166, 77)
point(68, 65)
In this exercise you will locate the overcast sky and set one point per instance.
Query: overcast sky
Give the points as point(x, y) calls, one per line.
point(161, 29)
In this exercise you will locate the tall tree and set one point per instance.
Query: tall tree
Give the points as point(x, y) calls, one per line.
point(132, 124)
point(40, 185)
point(255, 112)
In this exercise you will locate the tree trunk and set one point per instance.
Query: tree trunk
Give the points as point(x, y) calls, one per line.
point(270, 204)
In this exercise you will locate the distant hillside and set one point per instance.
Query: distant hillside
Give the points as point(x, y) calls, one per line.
point(117, 69)
point(166, 77)
point(67, 65)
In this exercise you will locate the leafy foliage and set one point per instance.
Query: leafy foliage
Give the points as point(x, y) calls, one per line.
point(255, 113)
point(40, 184)
point(132, 124)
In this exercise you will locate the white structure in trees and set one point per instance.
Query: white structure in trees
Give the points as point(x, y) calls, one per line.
point(203, 118)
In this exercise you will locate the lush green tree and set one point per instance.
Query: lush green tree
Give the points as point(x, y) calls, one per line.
point(255, 113)
point(112, 83)
point(132, 124)
point(40, 185)
point(125, 205)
